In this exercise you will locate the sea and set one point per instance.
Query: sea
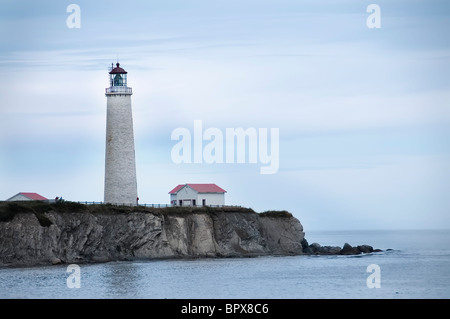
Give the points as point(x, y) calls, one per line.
point(414, 264)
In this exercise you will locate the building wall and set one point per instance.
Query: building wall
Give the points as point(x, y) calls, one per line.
point(186, 194)
point(120, 166)
point(211, 199)
point(173, 197)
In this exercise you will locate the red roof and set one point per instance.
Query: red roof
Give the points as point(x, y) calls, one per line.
point(200, 188)
point(33, 196)
point(118, 70)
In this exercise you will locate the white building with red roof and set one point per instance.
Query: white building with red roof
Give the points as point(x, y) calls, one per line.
point(26, 197)
point(197, 195)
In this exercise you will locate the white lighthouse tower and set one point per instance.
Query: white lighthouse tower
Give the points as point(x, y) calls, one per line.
point(120, 165)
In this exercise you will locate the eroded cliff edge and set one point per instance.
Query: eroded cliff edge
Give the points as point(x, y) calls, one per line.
point(42, 234)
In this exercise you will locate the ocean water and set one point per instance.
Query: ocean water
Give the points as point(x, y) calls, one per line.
point(418, 266)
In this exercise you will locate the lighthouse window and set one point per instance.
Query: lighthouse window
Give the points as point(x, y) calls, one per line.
point(118, 81)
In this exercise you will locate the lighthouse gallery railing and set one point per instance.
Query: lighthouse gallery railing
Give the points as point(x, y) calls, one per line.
point(119, 89)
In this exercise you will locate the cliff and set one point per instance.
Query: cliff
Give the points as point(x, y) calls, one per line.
point(41, 234)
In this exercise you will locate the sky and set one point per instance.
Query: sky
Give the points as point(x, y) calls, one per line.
point(363, 113)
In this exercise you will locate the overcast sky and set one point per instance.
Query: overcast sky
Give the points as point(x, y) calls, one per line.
point(363, 113)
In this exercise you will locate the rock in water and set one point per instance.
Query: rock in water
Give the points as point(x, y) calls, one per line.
point(366, 249)
point(349, 250)
point(317, 249)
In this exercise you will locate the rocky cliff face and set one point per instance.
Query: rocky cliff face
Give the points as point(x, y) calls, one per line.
point(75, 237)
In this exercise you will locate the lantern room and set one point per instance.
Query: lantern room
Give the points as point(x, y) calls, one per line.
point(118, 80)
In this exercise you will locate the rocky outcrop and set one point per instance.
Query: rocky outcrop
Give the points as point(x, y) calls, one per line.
point(52, 236)
point(317, 249)
point(347, 249)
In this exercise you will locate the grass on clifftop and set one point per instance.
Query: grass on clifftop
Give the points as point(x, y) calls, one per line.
point(9, 209)
point(276, 214)
point(114, 209)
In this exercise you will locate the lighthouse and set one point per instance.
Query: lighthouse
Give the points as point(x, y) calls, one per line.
point(120, 164)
